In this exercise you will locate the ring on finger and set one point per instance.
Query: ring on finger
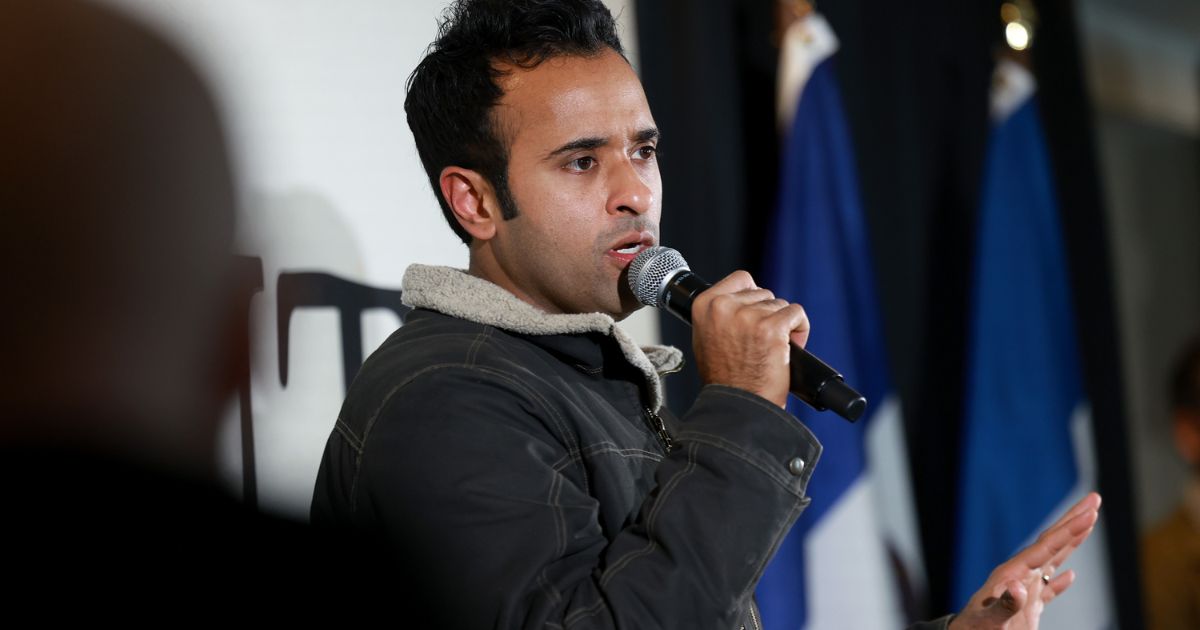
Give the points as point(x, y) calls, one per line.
point(1045, 578)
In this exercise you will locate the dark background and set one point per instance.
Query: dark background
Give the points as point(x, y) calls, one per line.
point(915, 79)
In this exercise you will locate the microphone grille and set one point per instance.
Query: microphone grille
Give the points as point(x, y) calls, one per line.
point(650, 270)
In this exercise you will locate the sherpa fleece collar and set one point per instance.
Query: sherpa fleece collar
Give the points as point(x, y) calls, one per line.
point(456, 293)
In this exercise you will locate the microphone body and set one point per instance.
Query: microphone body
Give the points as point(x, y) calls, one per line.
point(660, 277)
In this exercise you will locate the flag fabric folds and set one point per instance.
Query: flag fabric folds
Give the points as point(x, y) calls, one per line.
point(838, 566)
point(1026, 444)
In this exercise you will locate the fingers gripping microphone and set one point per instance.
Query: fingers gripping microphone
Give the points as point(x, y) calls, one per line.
point(659, 276)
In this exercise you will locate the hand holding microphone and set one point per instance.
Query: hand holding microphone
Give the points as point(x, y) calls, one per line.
point(751, 350)
point(744, 336)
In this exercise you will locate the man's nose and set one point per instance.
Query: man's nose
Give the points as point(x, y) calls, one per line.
point(629, 191)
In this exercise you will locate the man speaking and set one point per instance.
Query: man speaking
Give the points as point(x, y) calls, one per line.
point(509, 443)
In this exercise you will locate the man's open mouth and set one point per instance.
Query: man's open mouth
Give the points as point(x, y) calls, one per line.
point(632, 244)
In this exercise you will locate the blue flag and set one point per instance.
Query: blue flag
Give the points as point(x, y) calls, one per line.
point(835, 569)
point(1026, 418)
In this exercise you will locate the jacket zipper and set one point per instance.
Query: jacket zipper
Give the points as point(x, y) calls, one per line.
point(753, 617)
point(660, 429)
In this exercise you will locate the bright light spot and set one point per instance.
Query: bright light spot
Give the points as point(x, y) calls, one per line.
point(1017, 35)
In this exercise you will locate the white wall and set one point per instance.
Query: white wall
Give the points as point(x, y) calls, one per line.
point(313, 97)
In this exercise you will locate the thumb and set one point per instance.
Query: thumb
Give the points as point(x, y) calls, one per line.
point(1009, 601)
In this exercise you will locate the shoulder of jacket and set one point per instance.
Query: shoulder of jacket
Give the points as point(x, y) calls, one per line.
point(429, 335)
point(435, 352)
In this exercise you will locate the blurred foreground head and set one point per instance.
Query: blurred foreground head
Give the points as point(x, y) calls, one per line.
point(117, 220)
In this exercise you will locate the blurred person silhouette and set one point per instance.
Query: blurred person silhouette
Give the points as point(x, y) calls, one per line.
point(118, 226)
point(1171, 550)
point(123, 330)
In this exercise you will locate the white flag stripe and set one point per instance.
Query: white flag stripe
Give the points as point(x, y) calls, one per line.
point(849, 575)
point(887, 466)
point(849, 585)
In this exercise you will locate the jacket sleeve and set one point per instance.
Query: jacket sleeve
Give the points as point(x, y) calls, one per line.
point(464, 474)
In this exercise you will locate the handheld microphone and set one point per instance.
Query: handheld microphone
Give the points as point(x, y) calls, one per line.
point(660, 277)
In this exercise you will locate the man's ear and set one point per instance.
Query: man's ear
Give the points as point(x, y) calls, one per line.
point(472, 201)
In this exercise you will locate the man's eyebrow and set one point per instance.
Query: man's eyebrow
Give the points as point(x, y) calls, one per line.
point(579, 144)
point(646, 135)
point(649, 134)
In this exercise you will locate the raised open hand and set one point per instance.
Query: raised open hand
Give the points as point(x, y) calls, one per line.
point(1016, 592)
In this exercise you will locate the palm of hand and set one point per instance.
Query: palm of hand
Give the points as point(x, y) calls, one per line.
point(1016, 592)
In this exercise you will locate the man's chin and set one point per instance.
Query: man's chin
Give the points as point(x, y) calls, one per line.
point(629, 304)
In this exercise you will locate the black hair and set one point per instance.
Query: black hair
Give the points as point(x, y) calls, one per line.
point(1185, 378)
point(452, 92)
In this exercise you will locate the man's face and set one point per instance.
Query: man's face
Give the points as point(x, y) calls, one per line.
point(584, 175)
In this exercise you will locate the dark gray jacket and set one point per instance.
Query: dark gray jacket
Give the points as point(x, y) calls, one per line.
point(514, 460)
